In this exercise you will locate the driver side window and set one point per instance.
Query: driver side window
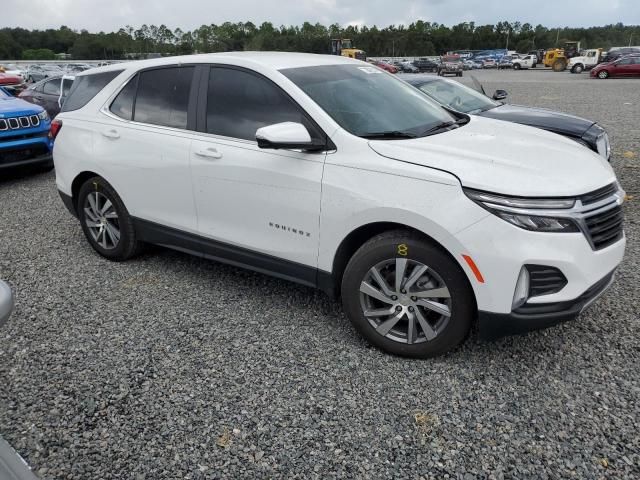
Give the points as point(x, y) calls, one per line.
point(239, 103)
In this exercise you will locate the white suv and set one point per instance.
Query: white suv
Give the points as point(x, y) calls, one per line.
point(330, 172)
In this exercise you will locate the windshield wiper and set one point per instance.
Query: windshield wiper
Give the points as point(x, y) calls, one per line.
point(391, 134)
point(443, 125)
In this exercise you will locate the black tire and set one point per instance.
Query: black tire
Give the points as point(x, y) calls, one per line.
point(388, 247)
point(603, 74)
point(577, 68)
point(516, 66)
point(128, 246)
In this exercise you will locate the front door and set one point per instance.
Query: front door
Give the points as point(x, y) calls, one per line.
point(260, 205)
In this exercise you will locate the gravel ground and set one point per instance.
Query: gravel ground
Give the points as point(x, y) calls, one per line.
point(170, 367)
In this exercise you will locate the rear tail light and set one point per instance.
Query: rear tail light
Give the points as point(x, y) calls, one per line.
point(56, 126)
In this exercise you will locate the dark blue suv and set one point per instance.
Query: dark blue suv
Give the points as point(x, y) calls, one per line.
point(24, 134)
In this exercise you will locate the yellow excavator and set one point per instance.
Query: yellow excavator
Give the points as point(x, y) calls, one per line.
point(345, 48)
point(558, 58)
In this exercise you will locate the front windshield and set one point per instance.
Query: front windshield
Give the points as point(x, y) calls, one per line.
point(364, 100)
point(457, 96)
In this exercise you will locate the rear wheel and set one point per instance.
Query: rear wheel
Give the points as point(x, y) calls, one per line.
point(105, 221)
point(406, 296)
point(559, 65)
point(603, 74)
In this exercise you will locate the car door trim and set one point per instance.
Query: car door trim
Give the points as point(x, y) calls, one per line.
point(208, 248)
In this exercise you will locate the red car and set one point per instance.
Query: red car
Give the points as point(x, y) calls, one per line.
point(385, 66)
point(628, 66)
point(7, 80)
point(13, 83)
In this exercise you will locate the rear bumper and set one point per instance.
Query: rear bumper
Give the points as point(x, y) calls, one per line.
point(539, 315)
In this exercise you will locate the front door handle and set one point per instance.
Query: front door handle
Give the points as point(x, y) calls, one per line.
point(111, 134)
point(209, 153)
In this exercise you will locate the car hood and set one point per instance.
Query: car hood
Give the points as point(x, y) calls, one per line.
point(505, 158)
point(12, 106)
point(541, 118)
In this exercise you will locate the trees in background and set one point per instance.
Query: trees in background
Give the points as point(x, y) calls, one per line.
point(417, 39)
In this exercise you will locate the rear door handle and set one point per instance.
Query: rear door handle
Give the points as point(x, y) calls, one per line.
point(111, 134)
point(209, 153)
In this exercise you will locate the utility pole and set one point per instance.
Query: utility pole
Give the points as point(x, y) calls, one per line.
point(508, 32)
point(557, 36)
point(630, 38)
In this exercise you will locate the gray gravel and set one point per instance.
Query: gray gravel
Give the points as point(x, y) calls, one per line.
point(170, 367)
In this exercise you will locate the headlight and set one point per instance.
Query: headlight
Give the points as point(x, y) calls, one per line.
point(534, 214)
point(43, 115)
point(604, 147)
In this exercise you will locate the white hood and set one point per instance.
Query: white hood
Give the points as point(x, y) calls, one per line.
point(506, 158)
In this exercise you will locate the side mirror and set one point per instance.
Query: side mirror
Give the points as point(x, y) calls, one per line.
point(500, 95)
point(286, 135)
point(6, 302)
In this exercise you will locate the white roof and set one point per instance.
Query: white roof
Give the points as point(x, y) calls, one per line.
point(271, 60)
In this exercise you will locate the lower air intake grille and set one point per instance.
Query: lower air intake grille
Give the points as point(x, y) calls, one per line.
point(544, 280)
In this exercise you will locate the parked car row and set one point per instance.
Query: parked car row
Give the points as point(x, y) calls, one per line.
point(332, 173)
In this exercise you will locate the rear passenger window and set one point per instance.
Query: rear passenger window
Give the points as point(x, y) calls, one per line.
point(52, 87)
point(86, 87)
point(122, 106)
point(239, 103)
point(163, 96)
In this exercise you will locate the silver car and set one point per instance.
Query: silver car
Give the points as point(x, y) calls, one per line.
point(6, 302)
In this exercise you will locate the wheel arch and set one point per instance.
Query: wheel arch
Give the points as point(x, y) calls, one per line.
point(77, 182)
point(360, 235)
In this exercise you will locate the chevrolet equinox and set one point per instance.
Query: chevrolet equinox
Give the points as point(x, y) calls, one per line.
point(329, 172)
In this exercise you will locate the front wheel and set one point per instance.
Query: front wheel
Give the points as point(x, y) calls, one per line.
point(105, 221)
point(516, 66)
point(407, 296)
point(603, 74)
point(577, 69)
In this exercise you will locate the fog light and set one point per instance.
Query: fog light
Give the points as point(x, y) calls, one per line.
point(521, 293)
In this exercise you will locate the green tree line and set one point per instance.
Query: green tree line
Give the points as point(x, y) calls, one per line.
point(417, 39)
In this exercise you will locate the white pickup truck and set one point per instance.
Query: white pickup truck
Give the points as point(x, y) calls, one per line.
point(528, 61)
point(589, 59)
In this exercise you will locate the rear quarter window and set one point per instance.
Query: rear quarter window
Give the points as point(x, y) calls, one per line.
point(86, 87)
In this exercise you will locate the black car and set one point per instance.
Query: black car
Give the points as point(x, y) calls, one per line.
point(464, 99)
point(615, 53)
point(47, 93)
point(426, 65)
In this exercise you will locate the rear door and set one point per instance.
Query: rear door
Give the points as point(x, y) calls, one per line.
point(262, 205)
point(142, 143)
point(635, 71)
point(623, 68)
point(50, 95)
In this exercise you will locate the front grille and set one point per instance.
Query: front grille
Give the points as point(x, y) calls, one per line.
point(605, 228)
point(545, 280)
point(15, 123)
point(599, 194)
point(22, 154)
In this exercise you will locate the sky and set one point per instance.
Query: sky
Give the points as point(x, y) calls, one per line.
point(110, 15)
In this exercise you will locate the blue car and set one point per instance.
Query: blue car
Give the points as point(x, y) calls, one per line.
point(24, 134)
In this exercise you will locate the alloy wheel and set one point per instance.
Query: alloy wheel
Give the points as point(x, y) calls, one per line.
point(102, 220)
point(603, 74)
point(405, 301)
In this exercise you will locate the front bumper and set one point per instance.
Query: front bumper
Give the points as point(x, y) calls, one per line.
point(542, 315)
point(500, 250)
